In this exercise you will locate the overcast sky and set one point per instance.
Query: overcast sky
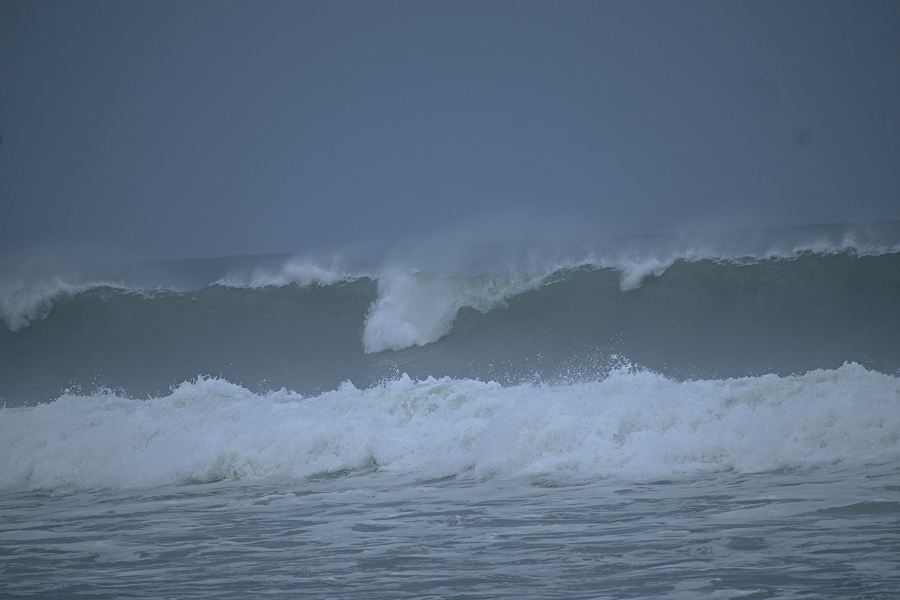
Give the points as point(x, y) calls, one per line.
point(161, 129)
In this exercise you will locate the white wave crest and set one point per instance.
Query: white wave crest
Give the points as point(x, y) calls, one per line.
point(417, 308)
point(631, 425)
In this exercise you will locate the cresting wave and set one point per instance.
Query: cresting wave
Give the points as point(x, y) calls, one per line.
point(22, 303)
point(417, 301)
point(512, 315)
point(702, 319)
point(634, 424)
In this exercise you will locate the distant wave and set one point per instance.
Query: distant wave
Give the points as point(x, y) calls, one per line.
point(788, 304)
point(294, 271)
point(406, 283)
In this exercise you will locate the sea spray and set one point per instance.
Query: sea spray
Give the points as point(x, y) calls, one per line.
point(414, 309)
point(632, 425)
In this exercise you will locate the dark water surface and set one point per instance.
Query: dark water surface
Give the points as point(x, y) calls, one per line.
point(824, 534)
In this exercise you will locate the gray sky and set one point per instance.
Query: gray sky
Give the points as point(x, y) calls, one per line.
point(162, 129)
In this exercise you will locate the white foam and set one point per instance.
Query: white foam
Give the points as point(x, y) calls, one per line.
point(632, 425)
point(417, 308)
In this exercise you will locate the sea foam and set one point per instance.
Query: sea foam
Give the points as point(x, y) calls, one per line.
point(632, 424)
point(417, 308)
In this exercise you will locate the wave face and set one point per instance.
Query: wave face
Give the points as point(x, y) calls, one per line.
point(689, 319)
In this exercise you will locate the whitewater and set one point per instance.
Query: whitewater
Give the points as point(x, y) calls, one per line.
point(664, 416)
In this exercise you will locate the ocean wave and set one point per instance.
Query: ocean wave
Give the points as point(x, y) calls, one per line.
point(633, 424)
point(22, 303)
point(414, 309)
point(695, 319)
point(420, 290)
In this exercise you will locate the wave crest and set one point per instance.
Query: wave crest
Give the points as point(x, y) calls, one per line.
point(414, 309)
point(633, 424)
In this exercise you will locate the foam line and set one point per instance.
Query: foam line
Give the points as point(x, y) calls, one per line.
point(633, 424)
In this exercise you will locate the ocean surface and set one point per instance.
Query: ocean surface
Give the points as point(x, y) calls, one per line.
point(710, 415)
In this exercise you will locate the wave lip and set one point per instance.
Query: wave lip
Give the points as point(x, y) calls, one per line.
point(633, 425)
point(418, 308)
point(22, 303)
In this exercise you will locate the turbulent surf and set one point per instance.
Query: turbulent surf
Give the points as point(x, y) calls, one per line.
point(291, 322)
point(654, 409)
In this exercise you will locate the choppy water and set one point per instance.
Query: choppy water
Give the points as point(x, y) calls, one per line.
point(785, 534)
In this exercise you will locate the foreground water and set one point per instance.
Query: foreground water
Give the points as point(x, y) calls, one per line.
point(827, 533)
point(632, 486)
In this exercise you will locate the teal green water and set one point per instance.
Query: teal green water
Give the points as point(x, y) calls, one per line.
point(699, 319)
